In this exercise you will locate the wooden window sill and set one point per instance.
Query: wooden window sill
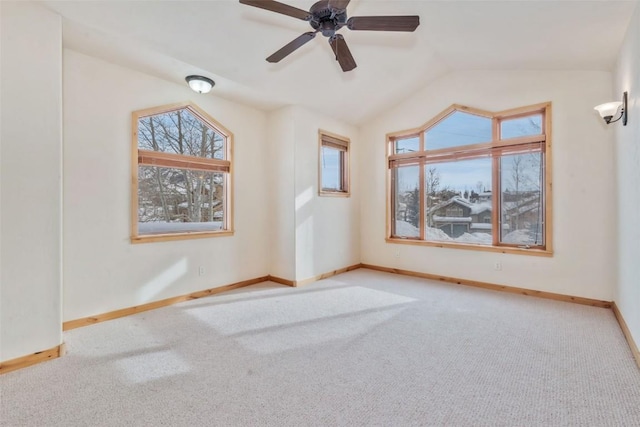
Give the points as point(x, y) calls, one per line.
point(334, 194)
point(500, 249)
point(179, 236)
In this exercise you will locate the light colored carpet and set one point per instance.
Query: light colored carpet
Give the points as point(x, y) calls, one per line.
point(362, 348)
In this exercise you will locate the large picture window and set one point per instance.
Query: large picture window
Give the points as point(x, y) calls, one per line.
point(181, 160)
point(473, 179)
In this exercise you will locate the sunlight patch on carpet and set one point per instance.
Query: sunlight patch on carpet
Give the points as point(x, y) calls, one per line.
point(317, 333)
point(289, 309)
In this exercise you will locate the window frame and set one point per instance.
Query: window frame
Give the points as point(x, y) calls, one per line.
point(171, 160)
point(341, 143)
point(497, 148)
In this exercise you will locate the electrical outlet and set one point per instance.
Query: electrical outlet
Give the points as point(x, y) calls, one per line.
point(201, 271)
point(497, 266)
point(396, 252)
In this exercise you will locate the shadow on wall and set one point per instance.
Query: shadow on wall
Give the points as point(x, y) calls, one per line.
point(304, 257)
point(162, 281)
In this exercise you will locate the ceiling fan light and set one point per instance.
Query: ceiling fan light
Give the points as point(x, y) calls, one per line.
point(200, 84)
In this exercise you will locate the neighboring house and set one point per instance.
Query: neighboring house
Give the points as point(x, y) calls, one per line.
point(485, 196)
point(458, 215)
point(205, 212)
point(178, 209)
point(523, 210)
point(401, 211)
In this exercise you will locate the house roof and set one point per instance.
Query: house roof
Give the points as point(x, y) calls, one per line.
point(476, 208)
point(229, 42)
point(452, 219)
point(525, 205)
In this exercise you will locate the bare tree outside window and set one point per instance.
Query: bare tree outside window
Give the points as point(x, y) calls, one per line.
point(432, 185)
point(183, 168)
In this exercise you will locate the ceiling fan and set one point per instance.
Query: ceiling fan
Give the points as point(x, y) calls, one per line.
point(327, 17)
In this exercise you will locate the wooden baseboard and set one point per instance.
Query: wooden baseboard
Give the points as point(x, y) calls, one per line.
point(85, 321)
point(58, 351)
point(627, 333)
point(281, 280)
point(31, 359)
point(296, 283)
point(494, 287)
point(327, 275)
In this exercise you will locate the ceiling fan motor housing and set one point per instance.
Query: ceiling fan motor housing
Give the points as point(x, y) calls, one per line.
point(326, 19)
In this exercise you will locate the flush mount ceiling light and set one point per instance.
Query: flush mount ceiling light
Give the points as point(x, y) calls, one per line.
point(610, 109)
point(200, 84)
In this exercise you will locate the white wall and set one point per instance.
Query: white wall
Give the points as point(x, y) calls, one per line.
point(282, 252)
point(327, 228)
point(103, 271)
point(310, 235)
point(30, 181)
point(583, 177)
point(627, 148)
point(282, 226)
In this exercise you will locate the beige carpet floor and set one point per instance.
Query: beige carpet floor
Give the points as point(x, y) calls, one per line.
point(360, 349)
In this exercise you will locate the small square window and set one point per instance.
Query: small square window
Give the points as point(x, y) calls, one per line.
point(333, 165)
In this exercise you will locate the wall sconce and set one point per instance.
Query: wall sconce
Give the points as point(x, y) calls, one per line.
point(200, 84)
point(610, 109)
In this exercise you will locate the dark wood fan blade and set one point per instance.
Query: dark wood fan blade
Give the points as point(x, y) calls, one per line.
point(343, 55)
point(278, 7)
point(291, 46)
point(338, 4)
point(383, 23)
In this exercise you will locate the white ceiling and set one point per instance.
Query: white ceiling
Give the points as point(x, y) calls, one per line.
point(229, 42)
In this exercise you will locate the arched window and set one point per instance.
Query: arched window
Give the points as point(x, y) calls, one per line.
point(493, 165)
point(181, 175)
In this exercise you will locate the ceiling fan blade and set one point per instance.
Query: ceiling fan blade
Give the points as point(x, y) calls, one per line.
point(384, 23)
point(291, 46)
point(278, 7)
point(338, 4)
point(343, 55)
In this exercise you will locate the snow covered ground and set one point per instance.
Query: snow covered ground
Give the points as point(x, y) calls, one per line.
point(177, 227)
point(518, 237)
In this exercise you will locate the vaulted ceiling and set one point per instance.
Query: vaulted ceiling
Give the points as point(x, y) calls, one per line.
point(229, 42)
